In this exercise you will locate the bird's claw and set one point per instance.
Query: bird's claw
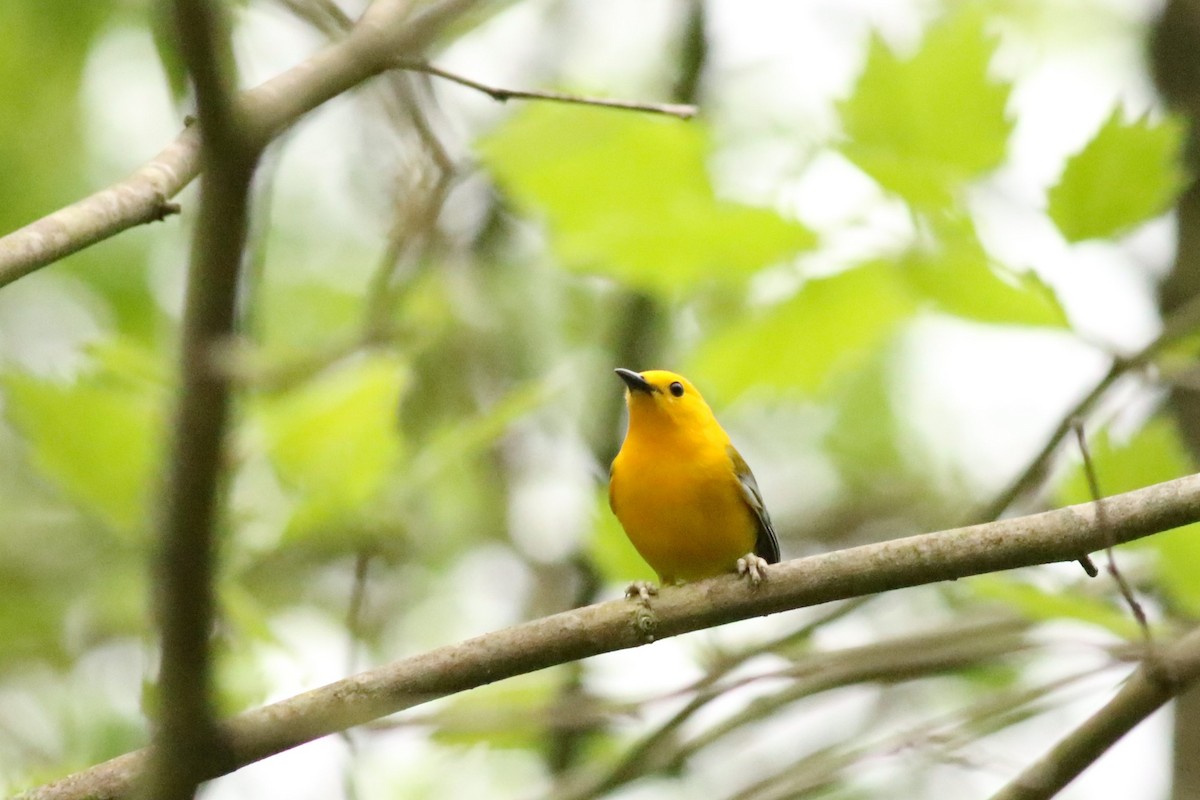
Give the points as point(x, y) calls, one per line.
point(641, 590)
point(753, 567)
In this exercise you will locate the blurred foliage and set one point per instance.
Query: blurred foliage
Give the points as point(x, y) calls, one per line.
point(418, 445)
point(926, 126)
point(41, 131)
point(628, 196)
point(950, 270)
point(1045, 605)
point(98, 435)
point(1128, 173)
point(832, 340)
point(334, 441)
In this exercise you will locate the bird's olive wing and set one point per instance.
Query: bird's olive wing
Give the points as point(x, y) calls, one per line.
point(766, 545)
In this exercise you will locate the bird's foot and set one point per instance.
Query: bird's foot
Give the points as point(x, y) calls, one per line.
point(641, 590)
point(754, 567)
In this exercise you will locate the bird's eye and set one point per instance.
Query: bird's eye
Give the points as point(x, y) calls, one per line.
point(676, 389)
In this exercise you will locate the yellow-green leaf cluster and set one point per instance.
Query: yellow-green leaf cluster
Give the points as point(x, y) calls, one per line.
point(630, 197)
point(335, 440)
point(926, 125)
point(1128, 173)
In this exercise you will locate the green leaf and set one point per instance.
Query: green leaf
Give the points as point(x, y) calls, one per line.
point(100, 438)
point(1178, 562)
point(629, 196)
point(302, 317)
point(826, 328)
point(924, 126)
point(1127, 174)
point(334, 441)
point(882, 462)
point(507, 715)
point(865, 440)
point(1040, 605)
point(955, 272)
point(1174, 361)
point(832, 323)
point(32, 620)
point(465, 439)
point(43, 132)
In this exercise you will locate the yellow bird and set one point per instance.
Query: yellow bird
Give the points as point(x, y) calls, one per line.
point(683, 494)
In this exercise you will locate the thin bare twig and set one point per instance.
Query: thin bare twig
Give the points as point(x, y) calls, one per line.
point(323, 15)
point(413, 235)
point(1089, 470)
point(1085, 560)
point(1058, 535)
point(679, 110)
point(1164, 674)
point(704, 691)
point(1183, 321)
point(948, 731)
point(918, 655)
point(414, 230)
point(358, 596)
point(387, 29)
point(565, 742)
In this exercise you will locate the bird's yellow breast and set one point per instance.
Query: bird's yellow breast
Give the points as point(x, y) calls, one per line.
point(681, 503)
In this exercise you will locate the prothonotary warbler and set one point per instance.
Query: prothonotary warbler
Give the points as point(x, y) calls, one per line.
point(684, 495)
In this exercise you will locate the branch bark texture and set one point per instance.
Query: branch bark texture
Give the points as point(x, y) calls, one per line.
point(1059, 535)
point(386, 32)
point(1161, 677)
point(187, 732)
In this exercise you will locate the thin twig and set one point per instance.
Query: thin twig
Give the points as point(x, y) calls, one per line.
point(995, 711)
point(1089, 470)
point(358, 595)
point(387, 29)
point(1162, 676)
point(1183, 321)
point(917, 656)
point(679, 110)
point(413, 232)
point(323, 15)
point(704, 691)
point(565, 743)
point(1085, 560)
point(404, 91)
point(413, 235)
point(1058, 535)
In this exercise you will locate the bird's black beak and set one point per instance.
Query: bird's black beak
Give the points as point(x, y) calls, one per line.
point(634, 381)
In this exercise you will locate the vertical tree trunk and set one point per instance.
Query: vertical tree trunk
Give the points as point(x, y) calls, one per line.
point(1175, 52)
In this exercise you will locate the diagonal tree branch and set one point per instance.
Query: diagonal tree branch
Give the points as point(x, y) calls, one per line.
point(386, 37)
point(1052, 536)
point(1165, 674)
point(387, 31)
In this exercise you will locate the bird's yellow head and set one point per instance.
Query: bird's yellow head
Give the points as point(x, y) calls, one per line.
point(664, 400)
